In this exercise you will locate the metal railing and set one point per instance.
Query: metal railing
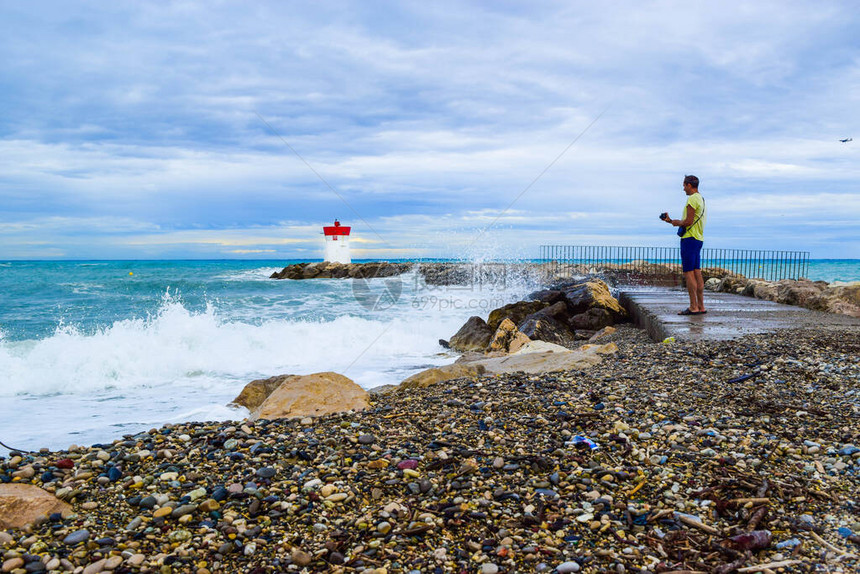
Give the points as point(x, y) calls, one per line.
point(641, 263)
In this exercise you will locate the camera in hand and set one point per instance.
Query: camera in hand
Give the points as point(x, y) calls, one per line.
point(664, 216)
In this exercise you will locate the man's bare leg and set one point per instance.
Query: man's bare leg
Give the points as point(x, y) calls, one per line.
point(690, 280)
point(700, 291)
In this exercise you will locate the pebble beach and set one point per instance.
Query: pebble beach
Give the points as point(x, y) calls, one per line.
point(734, 456)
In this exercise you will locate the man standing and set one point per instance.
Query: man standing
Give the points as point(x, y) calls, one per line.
point(691, 245)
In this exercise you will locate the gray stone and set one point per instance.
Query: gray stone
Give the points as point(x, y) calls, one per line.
point(77, 537)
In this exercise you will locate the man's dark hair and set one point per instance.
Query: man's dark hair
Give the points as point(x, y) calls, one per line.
point(692, 180)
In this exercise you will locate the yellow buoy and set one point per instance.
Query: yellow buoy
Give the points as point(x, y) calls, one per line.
point(130, 273)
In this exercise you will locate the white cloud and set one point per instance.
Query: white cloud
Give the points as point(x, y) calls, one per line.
point(440, 114)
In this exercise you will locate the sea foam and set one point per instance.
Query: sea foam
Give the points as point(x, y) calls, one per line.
point(98, 378)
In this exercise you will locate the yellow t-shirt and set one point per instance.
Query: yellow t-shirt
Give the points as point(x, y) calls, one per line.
point(697, 230)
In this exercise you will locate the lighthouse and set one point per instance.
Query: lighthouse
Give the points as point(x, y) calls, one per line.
point(337, 243)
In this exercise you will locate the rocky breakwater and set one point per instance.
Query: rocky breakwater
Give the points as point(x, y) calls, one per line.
point(666, 459)
point(567, 312)
point(536, 336)
point(815, 295)
point(638, 272)
point(486, 275)
point(328, 270)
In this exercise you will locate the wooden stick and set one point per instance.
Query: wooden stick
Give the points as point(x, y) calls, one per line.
point(753, 500)
point(769, 565)
point(638, 486)
point(756, 517)
point(697, 524)
point(829, 546)
point(660, 514)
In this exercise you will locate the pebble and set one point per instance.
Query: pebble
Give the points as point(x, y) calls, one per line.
point(266, 472)
point(300, 558)
point(183, 510)
point(12, 564)
point(209, 505)
point(566, 567)
point(135, 523)
point(76, 537)
point(489, 568)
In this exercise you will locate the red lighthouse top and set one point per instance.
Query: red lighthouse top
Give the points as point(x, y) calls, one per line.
point(336, 229)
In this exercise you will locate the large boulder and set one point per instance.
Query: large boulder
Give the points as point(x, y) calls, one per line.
point(590, 294)
point(256, 392)
point(717, 273)
point(557, 311)
point(22, 504)
point(545, 361)
point(551, 324)
point(850, 293)
point(842, 299)
point(312, 395)
point(516, 312)
point(550, 296)
point(474, 335)
point(732, 284)
point(540, 347)
point(803, 293)
point(546, 329)
point(439, 374)
point(593, 319)
point(761, 289)
point(507, 338)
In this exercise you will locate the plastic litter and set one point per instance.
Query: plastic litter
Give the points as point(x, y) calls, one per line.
point(578, 440)
point(790, 543)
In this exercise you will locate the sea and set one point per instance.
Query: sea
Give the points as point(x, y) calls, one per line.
point(93, 350)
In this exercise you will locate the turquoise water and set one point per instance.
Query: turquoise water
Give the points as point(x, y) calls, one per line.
point(830, 270)
point(90, 350)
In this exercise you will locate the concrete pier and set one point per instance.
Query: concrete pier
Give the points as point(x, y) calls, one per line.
point(729, 316)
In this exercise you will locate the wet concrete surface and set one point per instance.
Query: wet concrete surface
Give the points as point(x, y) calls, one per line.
point(729, 316)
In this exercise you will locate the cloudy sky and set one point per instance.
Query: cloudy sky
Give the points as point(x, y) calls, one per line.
point(236, 130)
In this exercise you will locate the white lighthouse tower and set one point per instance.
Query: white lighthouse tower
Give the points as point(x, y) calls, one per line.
point(337, 243)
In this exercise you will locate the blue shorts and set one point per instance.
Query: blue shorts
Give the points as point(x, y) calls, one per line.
point(690, 251)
